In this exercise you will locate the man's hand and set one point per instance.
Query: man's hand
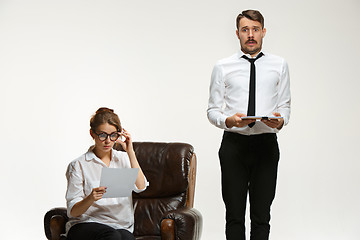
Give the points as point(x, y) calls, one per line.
point(236, 121)
point(275, 123)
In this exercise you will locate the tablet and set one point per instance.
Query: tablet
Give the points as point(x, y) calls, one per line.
point(260, 118)
point(120, 182)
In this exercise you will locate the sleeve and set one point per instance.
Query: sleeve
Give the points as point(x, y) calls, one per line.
point(284, 97)
point(137, 190)
point(75, 192)
point(215, 111)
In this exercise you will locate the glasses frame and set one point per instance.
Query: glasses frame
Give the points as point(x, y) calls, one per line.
point(107, 136)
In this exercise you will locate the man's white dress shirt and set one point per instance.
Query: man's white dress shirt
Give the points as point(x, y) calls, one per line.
point(229, 91)
point(83, 174)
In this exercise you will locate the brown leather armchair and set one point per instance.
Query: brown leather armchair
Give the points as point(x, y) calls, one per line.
point(165, 209)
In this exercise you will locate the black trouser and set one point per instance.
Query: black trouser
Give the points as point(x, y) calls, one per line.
point(97, 231)
point(248, 164)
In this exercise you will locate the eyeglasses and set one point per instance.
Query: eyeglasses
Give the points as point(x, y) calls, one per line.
point(103, 136)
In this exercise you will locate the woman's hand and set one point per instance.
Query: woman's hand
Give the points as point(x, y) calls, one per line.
point(97, 193)
point(82, 206)
point(127, 144)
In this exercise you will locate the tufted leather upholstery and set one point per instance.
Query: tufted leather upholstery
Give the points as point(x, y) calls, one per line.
point(165, 209)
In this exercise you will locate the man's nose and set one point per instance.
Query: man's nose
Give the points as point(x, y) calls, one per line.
point(251, 33)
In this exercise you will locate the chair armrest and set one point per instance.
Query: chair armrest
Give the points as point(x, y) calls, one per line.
point(54, 223)
point(181, 224)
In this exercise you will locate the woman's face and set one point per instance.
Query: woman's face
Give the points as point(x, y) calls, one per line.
point(107, 144)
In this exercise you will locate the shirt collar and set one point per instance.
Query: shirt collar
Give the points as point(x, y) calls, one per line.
point(90, 155)
point(241, 53)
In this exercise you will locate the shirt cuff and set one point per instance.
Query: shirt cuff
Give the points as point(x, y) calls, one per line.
point(137, 190)
point(221, 122)
point(286, 118)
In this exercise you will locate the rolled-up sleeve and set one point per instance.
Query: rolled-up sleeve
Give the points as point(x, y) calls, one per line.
point(75, 189)
point(137, 190)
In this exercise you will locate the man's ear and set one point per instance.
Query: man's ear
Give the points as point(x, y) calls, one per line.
point(264, 32)
point(237, 34)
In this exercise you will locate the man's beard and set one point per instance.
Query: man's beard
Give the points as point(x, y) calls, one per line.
point(251, 51)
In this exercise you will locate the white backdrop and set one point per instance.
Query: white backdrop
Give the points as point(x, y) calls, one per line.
point(151, 61)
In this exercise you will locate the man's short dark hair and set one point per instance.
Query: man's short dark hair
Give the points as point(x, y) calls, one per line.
point(253, 15)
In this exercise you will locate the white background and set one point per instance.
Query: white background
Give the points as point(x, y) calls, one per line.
point(151, 61)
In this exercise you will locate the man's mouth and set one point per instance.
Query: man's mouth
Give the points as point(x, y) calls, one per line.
point(251, 42)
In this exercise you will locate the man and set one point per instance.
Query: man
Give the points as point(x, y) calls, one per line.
point(249, 83)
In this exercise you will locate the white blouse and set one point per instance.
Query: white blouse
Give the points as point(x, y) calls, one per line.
point(83, 174)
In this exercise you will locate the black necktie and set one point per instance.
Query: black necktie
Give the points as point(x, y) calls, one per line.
point(252, 87)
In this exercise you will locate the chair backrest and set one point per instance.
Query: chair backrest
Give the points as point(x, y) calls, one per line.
point(170, 169)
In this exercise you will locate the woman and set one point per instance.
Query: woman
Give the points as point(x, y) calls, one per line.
point(91, 216)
